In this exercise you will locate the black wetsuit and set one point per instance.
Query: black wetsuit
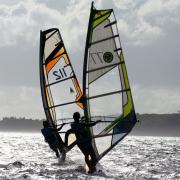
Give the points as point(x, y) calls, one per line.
point(84, 142)
point(51, 138)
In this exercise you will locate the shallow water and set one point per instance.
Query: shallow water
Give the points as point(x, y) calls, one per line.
point(27, 156)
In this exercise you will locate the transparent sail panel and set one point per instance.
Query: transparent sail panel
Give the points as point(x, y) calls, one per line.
point(105, 122)
point(67, 111)
point(108, 83)
point(102, 54)
point(103, 143)
point(110, 105)
point(117, 137)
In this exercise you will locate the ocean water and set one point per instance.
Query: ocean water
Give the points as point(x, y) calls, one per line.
point(27, 156)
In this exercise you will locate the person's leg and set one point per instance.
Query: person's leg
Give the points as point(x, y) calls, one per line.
point(57, 147)
point(55, 150)
point(62, 151)
point(57, 153)
point(63, 156)
point(88, 161)
point(66, 137)
point(87, 150)
point(86, 154)
point(59, 140)
point(93, 160)
point(93, 157)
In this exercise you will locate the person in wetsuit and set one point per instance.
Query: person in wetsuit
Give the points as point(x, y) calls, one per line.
point(53, 139)
point(84, 141)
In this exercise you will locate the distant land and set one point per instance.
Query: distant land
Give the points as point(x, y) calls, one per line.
point(157, 125)
point(149, 125)
point(13, 124)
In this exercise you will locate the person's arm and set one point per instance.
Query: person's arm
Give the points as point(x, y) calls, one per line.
point(68, 132)
point(92, 123)
point(58, 129)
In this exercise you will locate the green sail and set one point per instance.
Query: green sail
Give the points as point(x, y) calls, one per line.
point(106, 86)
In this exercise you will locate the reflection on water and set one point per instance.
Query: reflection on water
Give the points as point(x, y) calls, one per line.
point(27, 156)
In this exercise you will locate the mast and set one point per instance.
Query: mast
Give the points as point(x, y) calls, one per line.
point(85, 62)
point(42, 79)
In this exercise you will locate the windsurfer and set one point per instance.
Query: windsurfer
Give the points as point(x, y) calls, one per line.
point(84, 141)
point(55, 142)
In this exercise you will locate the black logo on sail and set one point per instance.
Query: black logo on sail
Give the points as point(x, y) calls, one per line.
point(108, 57)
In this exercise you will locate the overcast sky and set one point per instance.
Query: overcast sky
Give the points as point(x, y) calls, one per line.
point(150, 36)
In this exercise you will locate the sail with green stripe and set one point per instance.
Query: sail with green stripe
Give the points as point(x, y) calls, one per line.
point(106, 88)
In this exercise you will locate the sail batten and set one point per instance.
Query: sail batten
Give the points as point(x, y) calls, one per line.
point(110, 24)
point(63, 104)
point(118, 49)
point(103, 67)
point(108, 94)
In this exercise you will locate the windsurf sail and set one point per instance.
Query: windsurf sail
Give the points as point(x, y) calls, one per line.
point(106, 86)
point(61, 93)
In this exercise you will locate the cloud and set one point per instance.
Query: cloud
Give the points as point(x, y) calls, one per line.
point(145, 22)
point(141, 22)
point(148, 29)
point(23, 21)
point(26, 18)
point(125, 4)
